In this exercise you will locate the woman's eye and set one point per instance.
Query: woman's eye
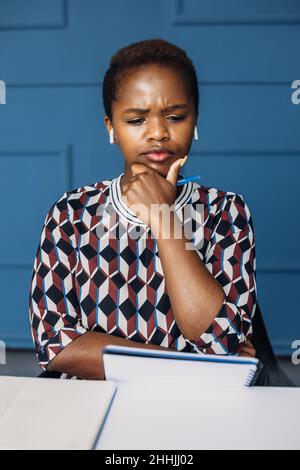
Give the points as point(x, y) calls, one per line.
point(135, 121)
point(139, 121)
point(177, 118)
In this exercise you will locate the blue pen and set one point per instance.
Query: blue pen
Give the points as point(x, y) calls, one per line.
point(188, 179)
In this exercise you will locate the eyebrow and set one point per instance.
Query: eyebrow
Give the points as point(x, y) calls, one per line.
point(144, 111)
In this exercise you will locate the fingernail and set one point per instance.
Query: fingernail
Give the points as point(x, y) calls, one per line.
point(183, 161)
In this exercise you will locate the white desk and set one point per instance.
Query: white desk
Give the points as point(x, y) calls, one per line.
point(52, 414)
point(169, 417)
point(68, 414)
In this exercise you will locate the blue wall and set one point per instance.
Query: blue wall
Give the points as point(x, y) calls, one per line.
point(53, 55)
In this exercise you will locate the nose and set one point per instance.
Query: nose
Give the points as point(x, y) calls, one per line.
point(158, 129)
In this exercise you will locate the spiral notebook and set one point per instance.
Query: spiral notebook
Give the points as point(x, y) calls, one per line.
point(124, 364)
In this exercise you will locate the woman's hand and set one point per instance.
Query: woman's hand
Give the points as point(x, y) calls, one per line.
point(148, 189)
point(248, 350)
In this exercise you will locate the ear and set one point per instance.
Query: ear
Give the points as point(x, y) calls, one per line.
point(108, 124)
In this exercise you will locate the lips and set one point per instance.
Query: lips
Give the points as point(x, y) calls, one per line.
point(158, 156)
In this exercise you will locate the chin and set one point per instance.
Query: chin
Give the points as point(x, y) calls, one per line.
point(163, 172)
point(161, 169)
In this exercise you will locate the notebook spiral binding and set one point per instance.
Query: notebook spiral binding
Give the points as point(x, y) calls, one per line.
point(253, 375)
point(249, 379)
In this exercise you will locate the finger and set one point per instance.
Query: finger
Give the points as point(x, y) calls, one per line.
point(174, 170)
point(245, 352)
point(250, 354)
point(137, 168)
point(249, 351)
point(248, 346)
point(251, 347)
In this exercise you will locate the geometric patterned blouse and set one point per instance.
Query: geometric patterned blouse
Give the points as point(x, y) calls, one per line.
point(97, 267)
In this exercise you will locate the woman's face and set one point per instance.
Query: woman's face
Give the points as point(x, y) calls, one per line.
point(146, 116)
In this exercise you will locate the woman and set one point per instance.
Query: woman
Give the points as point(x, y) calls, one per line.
point(110, 269)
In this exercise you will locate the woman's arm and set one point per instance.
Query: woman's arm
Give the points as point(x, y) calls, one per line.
point(196, 296)
point(213, 301)
point(83, 357)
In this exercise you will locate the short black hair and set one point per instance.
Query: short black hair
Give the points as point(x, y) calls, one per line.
point(148, 52)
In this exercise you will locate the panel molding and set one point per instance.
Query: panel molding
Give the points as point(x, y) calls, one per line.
point(279, 270)
point(58, 21)
point(283, 347)
point(200, 83)
point(15, 265)
point(18, 342)
point(280, 347)
point(181, 18)
point(65, 155)
point(246, 153)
